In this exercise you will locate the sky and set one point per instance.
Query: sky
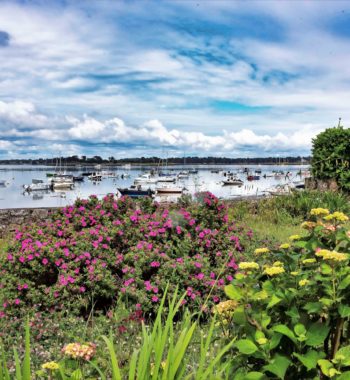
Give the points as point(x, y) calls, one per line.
point(171, 78)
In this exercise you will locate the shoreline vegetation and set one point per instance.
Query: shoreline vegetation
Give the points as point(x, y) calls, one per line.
point(239, 267)
point(154, 161)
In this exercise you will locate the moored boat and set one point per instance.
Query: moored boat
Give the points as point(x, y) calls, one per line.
point(232, 182)
point(136, 192)
point(169, 190)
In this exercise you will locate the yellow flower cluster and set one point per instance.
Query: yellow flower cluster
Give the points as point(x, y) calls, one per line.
point(294, 273)
point(319, 211)
point(246, 265)
point(308, 225)
point(331, 255)
point(285, 246)
point(274, 270)
point(277, 264)
point(309, 261)
point(80, 351)
point(262, 341)
point(260, 251)
point(50, 366)
point(338, 216)
point(294, 237)
point(225, 307)
point(304, 282)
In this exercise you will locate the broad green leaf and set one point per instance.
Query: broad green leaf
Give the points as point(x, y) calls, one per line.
point(313, 307)
point(246, 346)
point(344, 283)
point(326, 269)
point(278, 366)
point(265, 320)
point(309, 360)
point(239, 316)
point(254, 376)
point(299, 329)
point(326, 301)
point(275, 340)
point(344, 376)
point(233, 292)
point(274, 301)
point(293, 313)
point(284, 330)
point(316, 334)
point(325, 366)
point(344, 310)
point(343, 356)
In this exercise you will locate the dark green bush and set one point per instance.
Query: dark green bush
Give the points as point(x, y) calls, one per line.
point(331, 156)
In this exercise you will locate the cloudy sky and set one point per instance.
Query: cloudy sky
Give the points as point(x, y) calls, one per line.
point(131, 78)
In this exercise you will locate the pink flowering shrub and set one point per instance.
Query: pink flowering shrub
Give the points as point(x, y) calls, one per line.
point(95, 252)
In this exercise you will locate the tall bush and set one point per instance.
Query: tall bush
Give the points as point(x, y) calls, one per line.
point(331, 156)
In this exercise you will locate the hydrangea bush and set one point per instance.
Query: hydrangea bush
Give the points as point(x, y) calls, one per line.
point(290, 306)
point(97, 251)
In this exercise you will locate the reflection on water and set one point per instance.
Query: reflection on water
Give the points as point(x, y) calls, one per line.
point(12, 194)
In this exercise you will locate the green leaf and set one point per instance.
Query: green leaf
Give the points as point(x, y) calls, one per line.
point(326, 269)
point(274, 301)
point(278, 366)
point(325, 366)
point(254, 376)
point(313, 307)
point(275, 340)
point(344, 376)
point(233, 292)
point(316, 334)
point(299, 329)
point(309, 360)
point(246, 346)
point(326, 301)
point(284, 330)
point(239, 316)
point(344, 310)
point(343, 356)
point(344, 283)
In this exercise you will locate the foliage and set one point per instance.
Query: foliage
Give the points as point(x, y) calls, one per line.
point(331, 156)
point(96, 252)
point(291, 313)
point(163, 353)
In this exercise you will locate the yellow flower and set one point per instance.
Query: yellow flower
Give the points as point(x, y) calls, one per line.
point(50, 365)
point(225, 307)
point(246, 265)
point(294, 273)
point(319, 211)
point(338, 216)
point(309, 261)
point(304, 282)
point(294, 237)
point(262, 341)
point(272, 271)
point(331, 255)
point(277, 264)
point(285, 246)
point(260, 251)
point(308, 225)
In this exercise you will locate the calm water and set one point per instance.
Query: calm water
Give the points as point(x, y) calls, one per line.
point(13, 196)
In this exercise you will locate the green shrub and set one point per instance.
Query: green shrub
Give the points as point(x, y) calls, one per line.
point(292, 309)
point(331, 156)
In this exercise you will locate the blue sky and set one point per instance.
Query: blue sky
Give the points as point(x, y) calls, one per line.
point(137, 77)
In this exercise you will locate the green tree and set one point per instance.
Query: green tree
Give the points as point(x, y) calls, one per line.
point(331, 155)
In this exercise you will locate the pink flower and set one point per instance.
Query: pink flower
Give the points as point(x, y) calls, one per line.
point(200, 276)
point(17, 301)
point(82, 289)
point(178, 230)
point(197, 264)
point(155, 299)
point(45, 261)
point(155, 264)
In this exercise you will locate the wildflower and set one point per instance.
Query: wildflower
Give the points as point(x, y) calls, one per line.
point(260, 251)
point(262, 341)
point(304, 282)
point(246, 265)
point(225, 307)
point(50, 366)
point(277, 264)
point(337, 216)
point(308, 225)
point(309, 261)
point(155, 264)
point(274, 270)
point(294, 273)
point(331, 255)
point(294, 237)
point(80, 351)
point(319, 211)
point(285, 246)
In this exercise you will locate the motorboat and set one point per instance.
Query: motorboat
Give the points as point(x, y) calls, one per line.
point(252, 177)
point(279, 190)
point(145, 179)
point(136, 192)
point(232, 181)
point(95, 177)
point(106, 174)
point(166, 178)
point(193, 171)
point(62, 185)
point(183, 174)
point(78, 178)
point(37, 185)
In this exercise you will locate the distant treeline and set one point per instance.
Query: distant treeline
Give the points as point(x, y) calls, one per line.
point(84, 160)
